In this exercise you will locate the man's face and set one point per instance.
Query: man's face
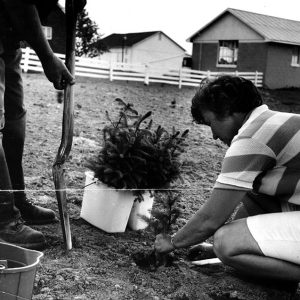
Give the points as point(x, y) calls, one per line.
point(223, 129)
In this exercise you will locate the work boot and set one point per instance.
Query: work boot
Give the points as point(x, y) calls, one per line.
point(13, 145)
point(18, 234)
point(34, 214)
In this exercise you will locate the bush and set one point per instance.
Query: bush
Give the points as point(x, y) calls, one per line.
point(136, 157)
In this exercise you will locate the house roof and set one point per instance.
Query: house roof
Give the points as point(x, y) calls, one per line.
point(272, 29)
point(116, 40)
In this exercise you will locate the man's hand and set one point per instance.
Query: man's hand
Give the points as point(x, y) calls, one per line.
point(163, 243)
point(56, 72)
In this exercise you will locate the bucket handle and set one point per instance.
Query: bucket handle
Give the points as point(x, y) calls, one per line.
point(3, 264)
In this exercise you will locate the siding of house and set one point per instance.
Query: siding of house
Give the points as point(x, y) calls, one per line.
point(206, 44)
point(56, 20)
point(205, 57)
point(252, 57)
point(157, 50)
point(196, 56)
point(115, 55)
point(279, 72)
point(228, 28)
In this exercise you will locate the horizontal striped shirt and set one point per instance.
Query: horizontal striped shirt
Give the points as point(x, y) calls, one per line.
point(265, 156)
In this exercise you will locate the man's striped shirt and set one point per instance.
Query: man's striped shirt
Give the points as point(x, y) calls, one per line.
point(265, 156)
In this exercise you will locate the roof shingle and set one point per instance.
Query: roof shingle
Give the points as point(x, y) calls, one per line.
point(271, 28)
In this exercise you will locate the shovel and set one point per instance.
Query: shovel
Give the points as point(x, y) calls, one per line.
point(209, 261)
point(67, 127)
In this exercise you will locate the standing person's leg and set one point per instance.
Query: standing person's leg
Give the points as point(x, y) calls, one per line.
point(13, 140)
point(6, 196)
point(12, 229)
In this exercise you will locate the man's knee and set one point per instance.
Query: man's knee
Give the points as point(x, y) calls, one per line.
point(223, 243)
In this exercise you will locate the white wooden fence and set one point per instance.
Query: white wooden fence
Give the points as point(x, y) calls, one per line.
point(89, 67)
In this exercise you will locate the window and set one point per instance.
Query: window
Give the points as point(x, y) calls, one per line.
point(296, 56)
point(228, 53)
point(48, 32)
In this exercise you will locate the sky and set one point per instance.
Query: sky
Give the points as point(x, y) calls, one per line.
point(179, 19)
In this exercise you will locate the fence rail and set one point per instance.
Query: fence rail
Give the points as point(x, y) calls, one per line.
point(88, 67)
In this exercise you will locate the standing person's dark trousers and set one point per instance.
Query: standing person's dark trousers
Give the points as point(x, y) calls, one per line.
point(14, 206)
point(14, 137)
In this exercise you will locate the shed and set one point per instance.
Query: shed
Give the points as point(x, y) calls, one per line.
point(152, 48)
point(248, 42)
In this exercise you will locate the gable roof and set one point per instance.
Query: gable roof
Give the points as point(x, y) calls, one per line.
point(272, 29)
point(116, 40)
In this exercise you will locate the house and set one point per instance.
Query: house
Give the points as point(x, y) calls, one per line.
point(152, 48)
point(54, 27)
point(243, 41)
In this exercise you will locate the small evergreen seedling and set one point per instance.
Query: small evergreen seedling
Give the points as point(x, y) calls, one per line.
point(134, 156)
point(162, 220)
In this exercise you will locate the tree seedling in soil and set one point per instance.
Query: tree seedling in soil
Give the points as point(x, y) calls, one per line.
point(161, 221)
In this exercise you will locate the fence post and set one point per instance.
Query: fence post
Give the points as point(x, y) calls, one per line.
point(180, 77)
point(26, 57)
point(146, 81)
point(256, 78)
point(236, 73)
point(111, 71)
point(208, 74)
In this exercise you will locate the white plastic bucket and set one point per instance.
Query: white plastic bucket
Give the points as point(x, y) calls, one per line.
point(140, 210)
point(104, 207)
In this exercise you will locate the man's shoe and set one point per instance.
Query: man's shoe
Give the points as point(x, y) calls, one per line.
point(18, 234)
point(36, 215)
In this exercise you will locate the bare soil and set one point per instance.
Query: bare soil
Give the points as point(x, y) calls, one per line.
point(107, 266)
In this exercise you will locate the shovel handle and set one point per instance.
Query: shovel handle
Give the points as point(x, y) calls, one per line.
point(67, 127)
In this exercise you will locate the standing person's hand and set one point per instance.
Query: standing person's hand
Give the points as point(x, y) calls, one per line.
point(163, 243)
point(56, 72)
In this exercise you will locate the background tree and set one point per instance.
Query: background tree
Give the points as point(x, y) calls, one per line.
point(88, 40)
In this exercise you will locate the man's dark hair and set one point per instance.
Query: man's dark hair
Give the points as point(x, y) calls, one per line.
point(224, 96)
